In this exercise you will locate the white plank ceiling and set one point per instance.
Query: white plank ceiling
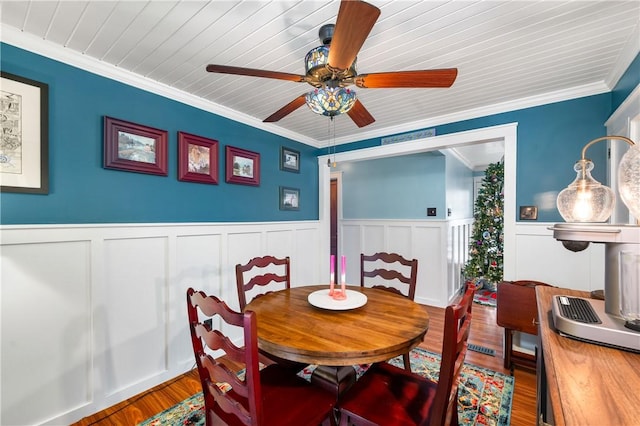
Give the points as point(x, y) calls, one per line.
point(509, 54)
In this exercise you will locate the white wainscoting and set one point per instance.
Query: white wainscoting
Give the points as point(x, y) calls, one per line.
point(92, 315)
point(439, 245)
point(542, 258)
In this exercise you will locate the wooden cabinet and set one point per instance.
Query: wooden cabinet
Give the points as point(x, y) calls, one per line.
point(582, 383)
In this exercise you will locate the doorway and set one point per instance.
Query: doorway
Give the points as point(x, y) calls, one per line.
point(506, 132)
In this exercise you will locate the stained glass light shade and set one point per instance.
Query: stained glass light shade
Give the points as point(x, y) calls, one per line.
point(328, 98)
point(585, 199)
point(331, 101)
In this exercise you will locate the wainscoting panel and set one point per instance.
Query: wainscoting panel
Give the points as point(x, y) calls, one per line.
point(46, 330)
point(198, 260)
point(429, 247)
point(306, 251)
point(400, 239)
point(350, 245)
point(374, 239)
point(541, 257)
point(136, 288)
point(458, 235)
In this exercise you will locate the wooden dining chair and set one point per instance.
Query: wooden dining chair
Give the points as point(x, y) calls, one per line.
point(517, 310)
point(391, 272)
point(272, 396)
point(391, 396)
point(261, 275)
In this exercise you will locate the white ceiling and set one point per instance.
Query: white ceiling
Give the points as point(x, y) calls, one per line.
point(509, 54)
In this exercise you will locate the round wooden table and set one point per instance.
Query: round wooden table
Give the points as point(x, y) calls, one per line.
point(291, 328)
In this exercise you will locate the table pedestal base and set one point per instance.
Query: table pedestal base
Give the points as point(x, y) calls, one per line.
point(334, 379)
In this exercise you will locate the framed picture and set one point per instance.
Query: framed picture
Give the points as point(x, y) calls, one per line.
point(134, 148)
point(197, 159)
point(289, 198)
point(24, 143)
point(528, 213)
point(289, 160)
point(242, 166)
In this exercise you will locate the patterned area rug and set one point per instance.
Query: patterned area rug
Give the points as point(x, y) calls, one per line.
point(485, 297)
point(485, 395)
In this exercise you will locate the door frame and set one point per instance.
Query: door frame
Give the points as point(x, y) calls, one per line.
point(507, 133)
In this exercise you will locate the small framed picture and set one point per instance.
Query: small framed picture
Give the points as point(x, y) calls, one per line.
point(197, 159)
point(134, 148)
point(242, 166)
point(528, 213)
point(24, 135)
point(289, 198)
point(289, 160)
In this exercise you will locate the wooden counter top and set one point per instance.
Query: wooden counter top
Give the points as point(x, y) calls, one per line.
point(587, 384)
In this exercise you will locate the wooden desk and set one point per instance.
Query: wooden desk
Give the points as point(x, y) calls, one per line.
point(582, 383)
point(291, 328)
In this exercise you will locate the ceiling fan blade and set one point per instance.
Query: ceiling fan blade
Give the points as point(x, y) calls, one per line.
point(353, 25)
point(223, 69)
point(360, 115)
point(287, 109)
point(427, 78)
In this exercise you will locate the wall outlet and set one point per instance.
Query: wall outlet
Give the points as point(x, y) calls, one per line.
point(431, 211)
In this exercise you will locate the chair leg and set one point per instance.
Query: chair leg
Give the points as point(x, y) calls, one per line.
point(407, 362)
point(508, 347)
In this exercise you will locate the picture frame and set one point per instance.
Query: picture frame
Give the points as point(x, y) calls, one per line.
point(242, 166)
point(528, 213)
point(289, 160)
point(289, 198)
point(197, 159)
point(24, 143)
point(134, 147)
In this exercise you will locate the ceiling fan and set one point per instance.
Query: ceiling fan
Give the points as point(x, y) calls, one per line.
point(331, 69)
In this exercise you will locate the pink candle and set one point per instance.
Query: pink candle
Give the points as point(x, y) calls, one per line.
point(332, 275)
point(342, 293)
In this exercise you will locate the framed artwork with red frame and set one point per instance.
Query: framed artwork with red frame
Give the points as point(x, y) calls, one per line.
point(134, 148)
point(242, 166)
point(197, 159)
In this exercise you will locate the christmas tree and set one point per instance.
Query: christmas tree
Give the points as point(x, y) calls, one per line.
point(486, 244)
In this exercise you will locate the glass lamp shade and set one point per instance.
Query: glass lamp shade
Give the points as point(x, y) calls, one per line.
point(629, 180)
point(331, 101)
point(585, 199)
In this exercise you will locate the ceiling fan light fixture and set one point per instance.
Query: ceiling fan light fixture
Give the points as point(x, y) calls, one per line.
point(317, 69)
point(331, 101)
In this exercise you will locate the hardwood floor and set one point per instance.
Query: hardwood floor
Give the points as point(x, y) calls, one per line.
point(484, 332)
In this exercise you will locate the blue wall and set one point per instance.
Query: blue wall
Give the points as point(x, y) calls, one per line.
point(399, 187)
point(82, 191)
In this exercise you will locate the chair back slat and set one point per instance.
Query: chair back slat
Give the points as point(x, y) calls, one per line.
point(258, 272)
point(389, 271)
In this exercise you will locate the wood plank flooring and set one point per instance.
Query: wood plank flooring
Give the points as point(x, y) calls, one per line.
point(484, 332)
